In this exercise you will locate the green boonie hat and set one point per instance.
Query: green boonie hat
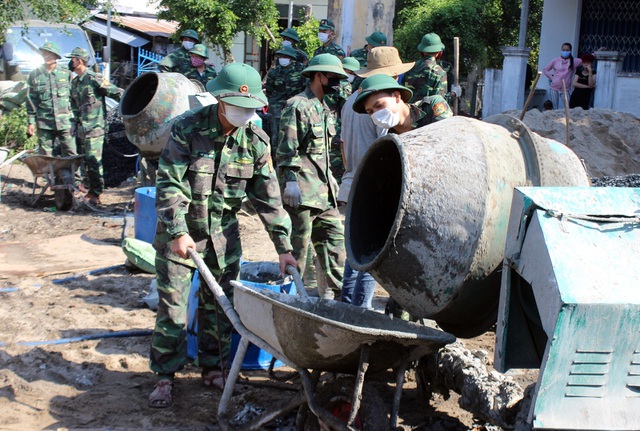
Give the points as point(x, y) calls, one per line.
point(326, 24)
point(199, 49)
point(52, 47)
point(238, 84)
point(376, 83)
point(80, 53)
point(288, 51)
point(325, 63)
point(190, 33)
point(431, 43)
point(291, 33)
point(350, 63)
point(377, 38)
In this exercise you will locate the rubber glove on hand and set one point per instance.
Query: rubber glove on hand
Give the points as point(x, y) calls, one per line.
point(457, 90)
point(292, 195)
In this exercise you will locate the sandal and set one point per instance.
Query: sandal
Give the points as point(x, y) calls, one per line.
point(162, 395)
point(213, 377)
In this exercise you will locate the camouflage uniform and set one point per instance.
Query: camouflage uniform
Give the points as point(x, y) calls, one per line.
point(330, 48)
point(335, 102)
point(427, 111)
point(202, 179)
point(89, 108)
point(49, 110)
point(281, 84)
point(179, 61)
point(306, 131)
point(301, 56)
point(207, 75)
point(426, 78)
point(360, 55)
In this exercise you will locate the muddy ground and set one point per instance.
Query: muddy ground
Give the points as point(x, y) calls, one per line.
point(60, 369)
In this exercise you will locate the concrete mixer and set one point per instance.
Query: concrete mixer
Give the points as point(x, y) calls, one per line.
point(148, 107)
point(429, 209)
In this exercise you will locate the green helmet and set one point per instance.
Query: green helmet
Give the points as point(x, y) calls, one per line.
point(326, 24)
point(288, 51)
point(431, 43)
point(199, 49)
point(325, 63)
point(291, 33)
point(80, 53)
point(377, 38)
point(376, 83)
point(238, 84)
point(351, 64)
point(190, 33)
point(51, 47)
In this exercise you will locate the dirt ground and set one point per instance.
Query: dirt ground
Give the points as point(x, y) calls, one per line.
point(58, 368)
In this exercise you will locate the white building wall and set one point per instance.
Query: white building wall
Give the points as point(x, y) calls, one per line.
point(627, 94)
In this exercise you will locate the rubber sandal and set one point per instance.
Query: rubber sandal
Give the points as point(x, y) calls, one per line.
point(162, 395)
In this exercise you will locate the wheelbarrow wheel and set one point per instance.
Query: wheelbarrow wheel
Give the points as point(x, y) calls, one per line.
point(336, 397)
point(64, 199)
point(64, 196)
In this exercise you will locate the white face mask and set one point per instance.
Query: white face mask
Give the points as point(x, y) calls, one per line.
point(350, 78)
point(188, 45)
point(286, 43)
point(324, 37)
point(385, 118)
point(284, 62)
point(237, 116)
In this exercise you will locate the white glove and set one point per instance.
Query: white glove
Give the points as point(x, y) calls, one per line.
point(292, 195)
point(456, 90)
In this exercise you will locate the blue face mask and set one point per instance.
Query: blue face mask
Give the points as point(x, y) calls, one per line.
point(565, 54)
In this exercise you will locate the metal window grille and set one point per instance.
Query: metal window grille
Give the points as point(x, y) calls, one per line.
point(613, 25)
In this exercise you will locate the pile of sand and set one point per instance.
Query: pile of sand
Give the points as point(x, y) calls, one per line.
point(607, 141)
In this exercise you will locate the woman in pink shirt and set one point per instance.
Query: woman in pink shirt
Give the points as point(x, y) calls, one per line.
point(561, 69)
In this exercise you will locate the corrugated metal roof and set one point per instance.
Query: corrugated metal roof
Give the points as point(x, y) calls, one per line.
point(118, 33)
point(150, 26)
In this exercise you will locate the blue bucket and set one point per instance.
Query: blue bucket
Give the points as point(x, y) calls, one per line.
point(145, 217)
point(255, 358)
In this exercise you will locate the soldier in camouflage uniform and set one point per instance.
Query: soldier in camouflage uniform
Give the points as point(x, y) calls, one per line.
point(213, 159)
point(179, 61)
point(88, 92)
point(377, 38)
point(199, 70)
point(309, 190)
point(326, 32)
point(427, 77)
point(386, 102)
point(290, 38)
point(48, 104)
point(283, 81)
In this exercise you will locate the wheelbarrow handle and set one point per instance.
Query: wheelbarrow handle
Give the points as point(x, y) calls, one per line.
point(297, 280)
point(222, 299)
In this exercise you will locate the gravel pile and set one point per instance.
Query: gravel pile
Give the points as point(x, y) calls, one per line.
point(119, 155)
point(632, 180)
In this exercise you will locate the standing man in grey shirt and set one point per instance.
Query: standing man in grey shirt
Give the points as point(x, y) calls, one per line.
point(358, 133)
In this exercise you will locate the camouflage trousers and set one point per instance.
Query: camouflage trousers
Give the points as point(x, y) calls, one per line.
point(325, 231)
point(93, 163)
point(47, 138)
point(169, 340)
point(274, 129)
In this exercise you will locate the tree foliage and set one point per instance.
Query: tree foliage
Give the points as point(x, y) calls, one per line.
point(54, 11)
point(218, 21)
point(308, 35)
point(483, 26)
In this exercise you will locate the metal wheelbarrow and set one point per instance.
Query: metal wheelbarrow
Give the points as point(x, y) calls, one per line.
point(59, 176)
point(313, 335)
